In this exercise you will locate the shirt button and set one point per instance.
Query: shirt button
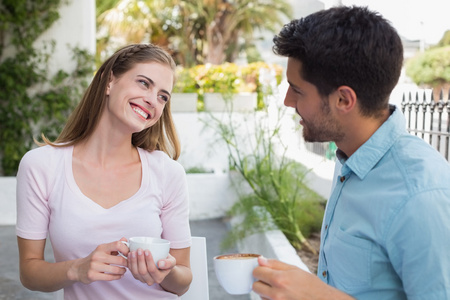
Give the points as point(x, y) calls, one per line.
point(324, 274)
point(342, 179)
point(326, 227)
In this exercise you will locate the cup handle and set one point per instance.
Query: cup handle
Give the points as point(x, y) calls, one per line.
point(128, 245)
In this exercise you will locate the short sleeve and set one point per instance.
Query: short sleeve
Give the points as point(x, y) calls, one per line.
point(33, 189)
point(175, 210)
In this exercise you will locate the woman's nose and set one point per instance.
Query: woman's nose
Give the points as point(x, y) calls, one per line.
point(150, 99)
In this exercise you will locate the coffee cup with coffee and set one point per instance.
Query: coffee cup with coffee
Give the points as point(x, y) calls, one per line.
point(234, 272)
point(159, 248)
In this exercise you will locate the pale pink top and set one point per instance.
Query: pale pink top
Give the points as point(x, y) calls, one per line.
point(49, 203)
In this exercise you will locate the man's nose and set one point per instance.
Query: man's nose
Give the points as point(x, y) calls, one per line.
point(288, 101)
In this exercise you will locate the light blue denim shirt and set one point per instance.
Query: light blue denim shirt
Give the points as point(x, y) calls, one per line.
point(386, 230)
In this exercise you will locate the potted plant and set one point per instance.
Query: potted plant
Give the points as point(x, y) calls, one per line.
point(226, 87)
point(184, 95)
point(221, 85)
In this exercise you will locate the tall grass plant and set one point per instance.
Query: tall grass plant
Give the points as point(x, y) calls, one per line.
point(272, 187)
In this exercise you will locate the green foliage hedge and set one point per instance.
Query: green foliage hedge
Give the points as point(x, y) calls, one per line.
point(32, 101)
point(431, 68)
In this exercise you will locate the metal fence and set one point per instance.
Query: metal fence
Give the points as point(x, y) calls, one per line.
point(429, 118)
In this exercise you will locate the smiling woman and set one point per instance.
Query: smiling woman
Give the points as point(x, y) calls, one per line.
point(143, 91)
point(109, 176)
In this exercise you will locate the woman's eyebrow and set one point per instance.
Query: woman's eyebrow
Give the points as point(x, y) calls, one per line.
point(153, 83)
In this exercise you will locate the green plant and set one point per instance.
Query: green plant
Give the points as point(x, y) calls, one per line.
point(198, 170)
point(276, 183)
point(221, 79)
point(185, 81)
point(228, 79)
point(30, 100)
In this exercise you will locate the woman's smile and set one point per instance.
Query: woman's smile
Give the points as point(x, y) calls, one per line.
point(141, 112)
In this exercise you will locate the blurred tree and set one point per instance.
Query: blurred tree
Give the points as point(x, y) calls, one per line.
point(196, 31)
point(445, 41)
point(104, 5)
point(431, 68)
point(132, 21)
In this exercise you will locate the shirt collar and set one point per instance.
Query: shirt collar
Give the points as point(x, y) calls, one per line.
point(370, 153)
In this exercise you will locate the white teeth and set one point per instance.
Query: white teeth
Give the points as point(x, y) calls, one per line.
point(140, 112)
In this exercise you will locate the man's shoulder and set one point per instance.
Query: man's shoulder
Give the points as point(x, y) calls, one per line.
point(422, 165)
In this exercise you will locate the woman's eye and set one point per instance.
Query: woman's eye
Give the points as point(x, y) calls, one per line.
point(165, 98)
point(144, 83)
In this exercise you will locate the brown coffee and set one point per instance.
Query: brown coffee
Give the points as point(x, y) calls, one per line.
point(238, 256)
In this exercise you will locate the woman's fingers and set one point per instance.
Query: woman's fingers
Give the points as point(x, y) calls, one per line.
point(143, 267)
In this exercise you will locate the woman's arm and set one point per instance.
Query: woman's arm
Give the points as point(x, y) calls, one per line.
point(180, 277)
point(40, 275)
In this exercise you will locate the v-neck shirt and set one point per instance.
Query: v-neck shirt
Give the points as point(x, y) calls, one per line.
point(50, 203)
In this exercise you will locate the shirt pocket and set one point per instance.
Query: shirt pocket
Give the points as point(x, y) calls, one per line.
point(349, 262)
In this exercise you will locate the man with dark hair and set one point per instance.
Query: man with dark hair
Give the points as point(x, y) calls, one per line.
point(386, 228)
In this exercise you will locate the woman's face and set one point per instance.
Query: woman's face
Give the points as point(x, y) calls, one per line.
point(137, 98)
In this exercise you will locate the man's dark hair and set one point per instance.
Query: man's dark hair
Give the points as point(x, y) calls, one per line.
point(350, 46)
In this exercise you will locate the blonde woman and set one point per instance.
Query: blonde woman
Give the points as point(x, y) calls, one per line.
point(110, 175)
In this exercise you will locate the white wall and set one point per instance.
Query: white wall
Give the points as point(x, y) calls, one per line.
point(74, 28)
point(211, 195)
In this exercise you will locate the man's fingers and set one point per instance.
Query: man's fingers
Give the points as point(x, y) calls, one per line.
point(273, 264)
point(262, 289)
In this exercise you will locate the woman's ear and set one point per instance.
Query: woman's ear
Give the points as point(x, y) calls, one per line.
point(347, 99)
point(108, 87)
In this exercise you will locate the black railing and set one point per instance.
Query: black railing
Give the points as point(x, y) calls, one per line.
point(429, 118)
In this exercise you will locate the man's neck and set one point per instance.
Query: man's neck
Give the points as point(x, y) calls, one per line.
point(359, 129)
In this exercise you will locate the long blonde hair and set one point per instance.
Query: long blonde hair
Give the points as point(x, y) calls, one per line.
point(83, 120)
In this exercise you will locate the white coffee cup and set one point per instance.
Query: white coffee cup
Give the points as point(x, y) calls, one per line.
point(234, 272)
point(159, 248)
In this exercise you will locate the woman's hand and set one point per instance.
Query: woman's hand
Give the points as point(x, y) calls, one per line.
point(102, 264)
point(143, 267)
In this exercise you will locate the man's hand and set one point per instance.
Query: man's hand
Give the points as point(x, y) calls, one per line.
point(278, 280)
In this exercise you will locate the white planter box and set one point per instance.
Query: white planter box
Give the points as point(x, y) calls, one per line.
point(7, 200)
point(183, 102)
point(242, 102)
point(211, 195)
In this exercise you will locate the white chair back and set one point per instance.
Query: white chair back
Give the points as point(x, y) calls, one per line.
point(199, 289)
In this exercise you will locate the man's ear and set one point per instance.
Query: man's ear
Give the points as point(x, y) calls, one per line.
point(347, 99)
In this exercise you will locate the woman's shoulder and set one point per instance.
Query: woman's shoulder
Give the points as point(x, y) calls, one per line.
point(43, 157)
point(162, 160)
point(44, 152)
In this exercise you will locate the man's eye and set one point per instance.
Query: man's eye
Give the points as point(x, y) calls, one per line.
point(296, 91)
